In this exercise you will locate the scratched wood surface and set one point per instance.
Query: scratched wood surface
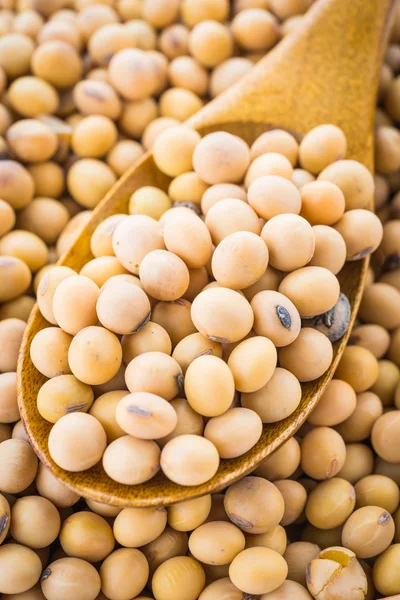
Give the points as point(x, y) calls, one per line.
point(327, 72)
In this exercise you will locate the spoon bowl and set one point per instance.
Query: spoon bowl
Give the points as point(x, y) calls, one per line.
point(325, 72)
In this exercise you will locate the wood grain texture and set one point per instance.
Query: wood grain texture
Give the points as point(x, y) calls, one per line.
point(327, 72)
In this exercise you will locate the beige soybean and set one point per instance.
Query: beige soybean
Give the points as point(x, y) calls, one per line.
point(356, 359)
point(368, 531)
point(330, 503)
point(254, 504)
point(358, 426)
point(74, 301)
point(53, 489)
point(358, 464)
point(149, 201)
point(123, 308)
point(7, 215)
point(169, 544)
point(179, 103)
point(220, 588)
point(334, 571)
point(276, 140)
point(377, 490)
point(150, 338)
point(275, 317)
point(44, 217)
point(77, 441)
point(146, 416)
point(313, 290)
point(94, 136)
point(275, 539)
point(174, 41)
point(228, 73)
point(309, 356)
point(222, 315)
point(323, 453)
point(216, 543)
point(123, 154)
point(210, 43)
point(361, 230)
point(289, 589)
point(134, 238)
point(11, 333)
point(26, 246)
point(99, 179)
point(355, 181)
point(95, 355)
point(231, 215)
point(116, 573)
point(102, 269)
point(330, 249)
point(187, 236)
point(97, 98)
point(164, 275)
point(189, 460)
point(234, 432)
point(295, 498)
point(379, 305)
point(384, 436)
point(19, 466)
point(31, 140)
point(290, 240)
point(49, 351)
point(131, 461)
point(186, 72)
point(35, 522)
point(270, 163)
point(175, 318)
point(387, 381)
point(16, 184)
point(101, 240)
point(298, 555)
point(19, 308)
point(239, 260)
point(132, 73)
point(49, 179)
point(385, 573)
point(135, 527)
point(32, 96)
point(193, 12)
point(221, 191)
point(173, 150)
point(272, 195)
point(15, 277)
point(221, 157)
point(21, 568)
point(187, 187)
point(277, 399)
point(336, 404)
point(322, 203)
point(62, 395)
point(67, 576)
point(178, 578)
point(189, 421)
point(8, 398)
point(258, 570)
point(104, 408)
point(252, 363)
point(156, 373)
point(255, 29)
point(209, 385)
point(322, 146)
point(283, 463)
point(189, 514)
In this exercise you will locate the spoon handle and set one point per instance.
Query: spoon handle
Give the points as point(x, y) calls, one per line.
point(327, 71)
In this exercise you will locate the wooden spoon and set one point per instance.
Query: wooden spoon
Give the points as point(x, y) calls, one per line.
point(326, 72)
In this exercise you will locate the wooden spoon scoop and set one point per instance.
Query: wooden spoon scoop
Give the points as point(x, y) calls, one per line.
point(326, 72)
